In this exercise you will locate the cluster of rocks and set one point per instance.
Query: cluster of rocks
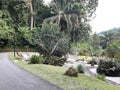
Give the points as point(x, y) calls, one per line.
point(73, 61)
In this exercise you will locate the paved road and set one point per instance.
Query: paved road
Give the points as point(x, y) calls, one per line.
point(15, 78)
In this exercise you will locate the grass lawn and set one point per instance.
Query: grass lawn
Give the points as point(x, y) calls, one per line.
point(55, 75)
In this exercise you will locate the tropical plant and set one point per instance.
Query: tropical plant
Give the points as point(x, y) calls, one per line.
point(80, 69)
point(95, 41)
point(106, 39)
point(51, 41)
point(24, 37)
point(101, 77)
point(35, 59)
point(5, 29)
point(18, 22)
point(83, 48)
point(72, 16)
point(117, 60)
point(18, 13)
point(113, 49)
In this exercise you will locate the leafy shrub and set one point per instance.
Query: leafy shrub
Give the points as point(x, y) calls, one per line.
point(101, 77)
point(71, 72)
point(117, 60)
point(113, 51)
point(35, 59)
point(54, 60)
point(50, 40)
point(98, 52)
point(80, 69)
point(82, 49)
point(109, 68)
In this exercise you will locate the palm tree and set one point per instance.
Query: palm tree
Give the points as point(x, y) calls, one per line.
point(107, 38)
point(71, 15)
point(62, 8)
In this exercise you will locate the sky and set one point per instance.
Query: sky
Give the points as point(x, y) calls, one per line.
point(47, 1)
point(107, 15)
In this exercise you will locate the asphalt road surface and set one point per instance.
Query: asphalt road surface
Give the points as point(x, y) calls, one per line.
point(14, 78)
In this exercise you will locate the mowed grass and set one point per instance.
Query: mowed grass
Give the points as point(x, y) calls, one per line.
point(56, 76)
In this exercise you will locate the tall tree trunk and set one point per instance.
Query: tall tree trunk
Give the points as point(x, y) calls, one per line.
point(32, 16)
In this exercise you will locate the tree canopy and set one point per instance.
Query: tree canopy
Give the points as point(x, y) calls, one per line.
point(73, 16)
point(26, 20)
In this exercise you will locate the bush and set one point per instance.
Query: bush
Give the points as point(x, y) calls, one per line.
point(50, 40)
point(35, 59)
point(117, 60)
point(71, 72)
point(109, 68)
point(54, 60)
point(113, 51)
point(80, 69)
point(101, 77)
point(82, 49)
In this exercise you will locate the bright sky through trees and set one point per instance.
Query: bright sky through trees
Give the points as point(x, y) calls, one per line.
point(107, 15)
point(47, 1)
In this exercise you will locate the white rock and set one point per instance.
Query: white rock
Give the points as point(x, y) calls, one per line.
point(88, 65)
point(93, 71)
point(25, 56)
point(71, 60)
point(15, 60)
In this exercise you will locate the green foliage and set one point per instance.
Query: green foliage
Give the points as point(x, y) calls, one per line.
point(6, 32)
point(72, 16)
point(107, 38)
point(18, 12)
point(51, 41)
point(80, 69)
point(71, 72)
point(15, 21)
point(94, 41)
point(117, 60)
point(109, 68)
point(99, 51)
point(101, 77)
point(113, 50)
point(24, 37)
point(82, 48)
point(54, 60)
point(11, 19)
point(5, 29)
point(35, 59)
point(42, 12)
